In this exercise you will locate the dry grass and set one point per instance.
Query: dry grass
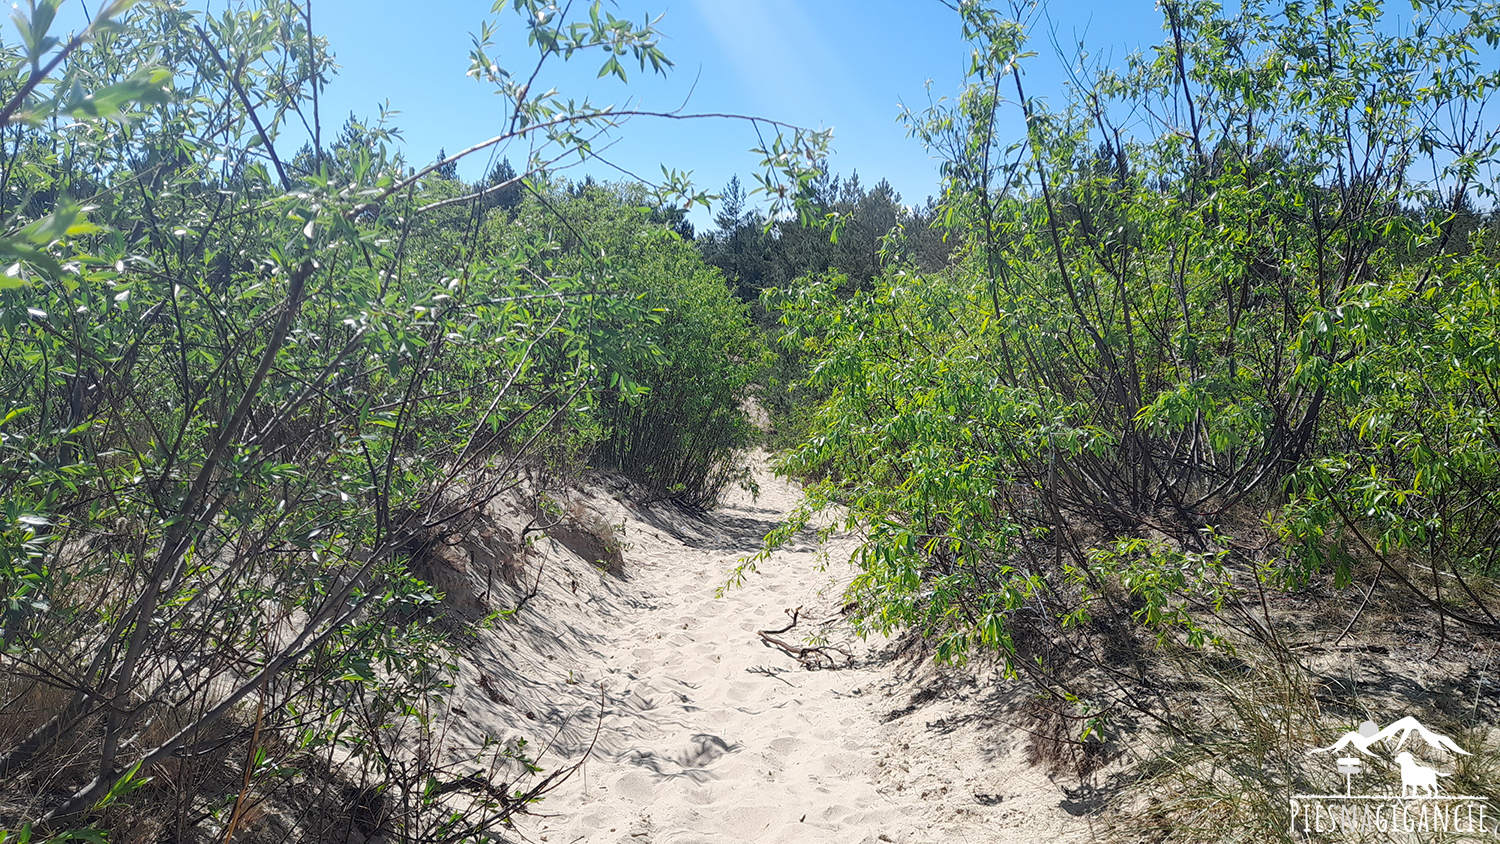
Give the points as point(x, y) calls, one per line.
point(1243, 747)
point(1239, 756)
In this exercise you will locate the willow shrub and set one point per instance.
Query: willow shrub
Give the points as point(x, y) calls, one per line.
point(673, 415)
point(1415, 485)
point(1203, 282)
point(236, 394)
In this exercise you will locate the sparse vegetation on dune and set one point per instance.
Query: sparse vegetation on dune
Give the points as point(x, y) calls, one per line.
point(1179, 404)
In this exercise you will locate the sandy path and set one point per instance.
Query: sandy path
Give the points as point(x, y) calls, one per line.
point(709, 736)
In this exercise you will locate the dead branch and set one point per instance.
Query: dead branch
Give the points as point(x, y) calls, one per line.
point(811, 656)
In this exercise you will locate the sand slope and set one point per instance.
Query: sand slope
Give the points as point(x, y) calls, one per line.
point(709, 736)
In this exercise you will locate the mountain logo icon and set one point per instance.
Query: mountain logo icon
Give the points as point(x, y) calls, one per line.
point(1369, 733)
point(1423, 804)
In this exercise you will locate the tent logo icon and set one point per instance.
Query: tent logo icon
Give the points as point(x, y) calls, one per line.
point(1423, 802)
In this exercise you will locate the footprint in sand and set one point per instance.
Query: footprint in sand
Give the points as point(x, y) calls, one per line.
point(637, 786)
point(743, 692)
point(786, 745)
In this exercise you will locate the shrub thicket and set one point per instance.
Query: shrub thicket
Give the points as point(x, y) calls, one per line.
point(1241, 274)
point(672, 416)
point(237, 389)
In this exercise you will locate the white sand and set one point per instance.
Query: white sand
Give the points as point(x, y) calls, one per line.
point(708, 735)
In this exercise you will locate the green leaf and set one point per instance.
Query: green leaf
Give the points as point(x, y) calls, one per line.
point(123, 786)
point(144, 87)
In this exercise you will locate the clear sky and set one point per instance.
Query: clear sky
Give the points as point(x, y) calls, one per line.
point(842, 64)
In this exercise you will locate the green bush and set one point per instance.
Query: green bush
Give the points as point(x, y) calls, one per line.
point(236, 391)
point(1258, 291)
point(671, 403)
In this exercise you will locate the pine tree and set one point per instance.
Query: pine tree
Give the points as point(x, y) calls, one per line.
point(507, 197)
point(449, 170)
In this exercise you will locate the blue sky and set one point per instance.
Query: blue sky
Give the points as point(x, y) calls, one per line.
point(840, 64)
point(817, 63)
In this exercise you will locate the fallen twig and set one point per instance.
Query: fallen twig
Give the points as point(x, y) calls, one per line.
point(810, 656)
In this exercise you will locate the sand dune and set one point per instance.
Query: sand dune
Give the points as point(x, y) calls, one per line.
point(708, 735)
